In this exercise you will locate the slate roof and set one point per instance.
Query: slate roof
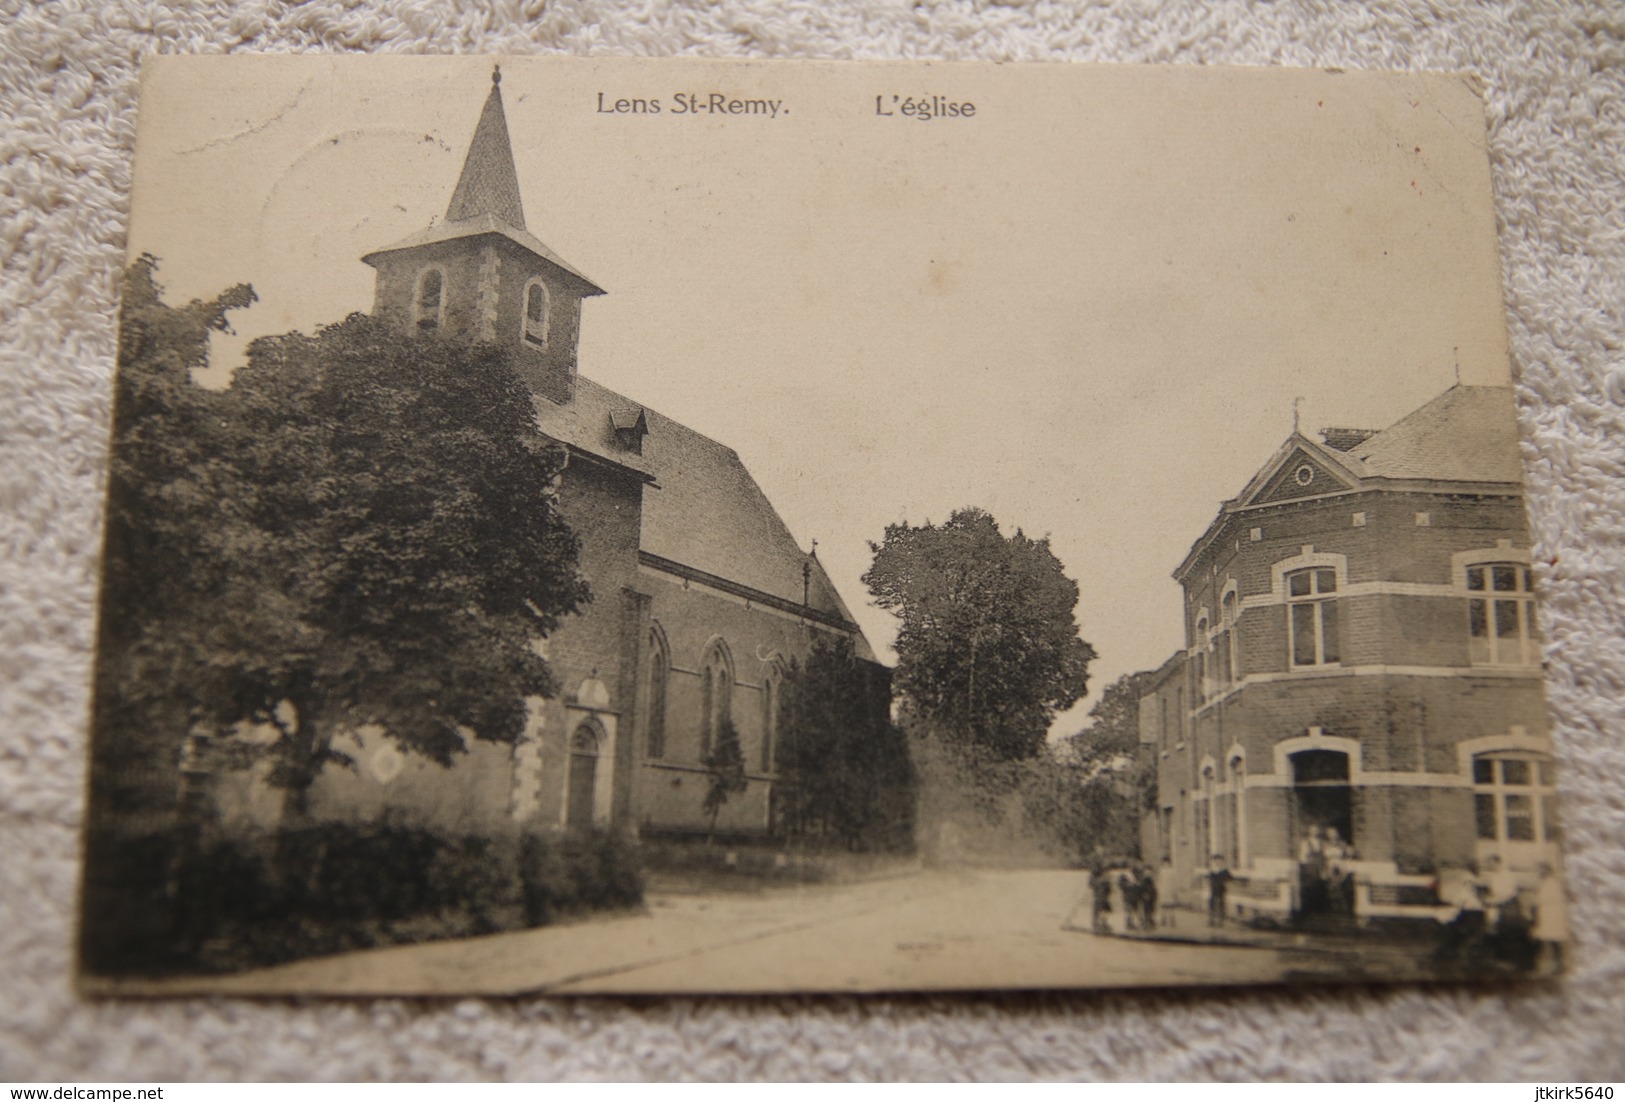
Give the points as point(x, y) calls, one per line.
point(701, 507)
point(704, 510)
point(486, 199)
point(1467, 434)
point(487, 224)
point(489, 183)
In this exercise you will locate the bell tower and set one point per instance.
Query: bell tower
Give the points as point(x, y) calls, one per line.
point(479, 275)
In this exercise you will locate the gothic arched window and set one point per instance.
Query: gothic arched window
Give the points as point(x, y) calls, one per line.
point(659, 674)
point(536, 314)
point(428, 304)
point(770, 719)
point(717, 697)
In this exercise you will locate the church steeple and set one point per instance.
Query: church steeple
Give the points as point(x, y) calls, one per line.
point(480, 275)
point(489, 184)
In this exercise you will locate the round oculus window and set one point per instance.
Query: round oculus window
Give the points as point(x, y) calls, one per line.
point(1304, 475)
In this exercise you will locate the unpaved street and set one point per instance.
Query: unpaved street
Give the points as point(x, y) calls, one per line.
point(934, 930)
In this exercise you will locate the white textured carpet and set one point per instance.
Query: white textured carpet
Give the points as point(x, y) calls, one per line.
point(1554, 74)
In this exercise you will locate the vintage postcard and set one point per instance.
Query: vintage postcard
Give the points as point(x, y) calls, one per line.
point(682, 526)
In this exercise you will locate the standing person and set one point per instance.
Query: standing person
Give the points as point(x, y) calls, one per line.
point(1218, 884)
point(1339, 877)
point(1551, 929)
point(1464, 932)
point(1165, 892)
point(1312, 872)
point(1148, 898)
point(1128, 890)
point(1504, 917)
point(1101, 884)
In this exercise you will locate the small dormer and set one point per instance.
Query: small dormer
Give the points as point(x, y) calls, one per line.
point(480, 275)
point(629, 425)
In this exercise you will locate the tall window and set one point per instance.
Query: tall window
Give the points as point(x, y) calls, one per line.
point(1515, 798)
point(1199, 661)
point(716, 698)
point(536, 315)
point(429, 303)
point(770, 720)
point(1237, 769)
point(1501, 615)
point(659, 673)
point(1312, 617)
point(1230, 650)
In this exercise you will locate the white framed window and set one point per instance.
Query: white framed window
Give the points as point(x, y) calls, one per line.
point(429, 300)
point(1228, 646)
point(1311, 597)
point(1200, 671)
point(1236, 770)
point(1515, 799)
point(534, 322)
point(1501, 615)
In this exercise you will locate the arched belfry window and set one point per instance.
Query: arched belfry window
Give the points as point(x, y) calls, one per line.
point(535, 322)
point(659, 676)
point(429, 303)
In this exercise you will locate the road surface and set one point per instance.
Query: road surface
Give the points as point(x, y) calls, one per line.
point(933, 930)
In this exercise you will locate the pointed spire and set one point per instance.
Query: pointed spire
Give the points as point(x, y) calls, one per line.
point(489, 184)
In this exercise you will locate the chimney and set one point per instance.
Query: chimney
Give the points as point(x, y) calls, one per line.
point(1344, 440)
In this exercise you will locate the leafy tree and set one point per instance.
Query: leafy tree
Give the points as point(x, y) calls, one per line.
point(362, 529)
point(988, 649)
point(1113, 785)
point(163, 576)
point(844, 769)
point(1115, 730)
point(726, 766)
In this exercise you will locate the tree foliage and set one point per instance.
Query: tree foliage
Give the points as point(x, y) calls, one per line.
point(988, 649)
point(844, 770)
point(725, 768)
point(1115, 730)
point(1115, 783)
point(361, 530)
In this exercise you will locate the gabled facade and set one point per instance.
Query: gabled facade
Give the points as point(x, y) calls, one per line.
point(1361, 665)
point(702, 598)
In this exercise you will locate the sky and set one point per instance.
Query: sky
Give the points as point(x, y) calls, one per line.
point(1087, 308)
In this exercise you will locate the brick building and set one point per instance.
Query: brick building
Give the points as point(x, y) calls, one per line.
point(702, 597)
point(1362, 669)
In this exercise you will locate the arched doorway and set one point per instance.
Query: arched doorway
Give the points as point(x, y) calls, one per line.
point(583, 777)
point(1323, 813)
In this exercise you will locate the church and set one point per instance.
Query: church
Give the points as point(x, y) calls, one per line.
point(702, 598)
point(1358, 714)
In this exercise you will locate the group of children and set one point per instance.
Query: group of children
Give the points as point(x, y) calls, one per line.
point(1136, 890)
point(1493, 918)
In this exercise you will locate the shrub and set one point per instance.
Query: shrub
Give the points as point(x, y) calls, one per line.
point(252, 901)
